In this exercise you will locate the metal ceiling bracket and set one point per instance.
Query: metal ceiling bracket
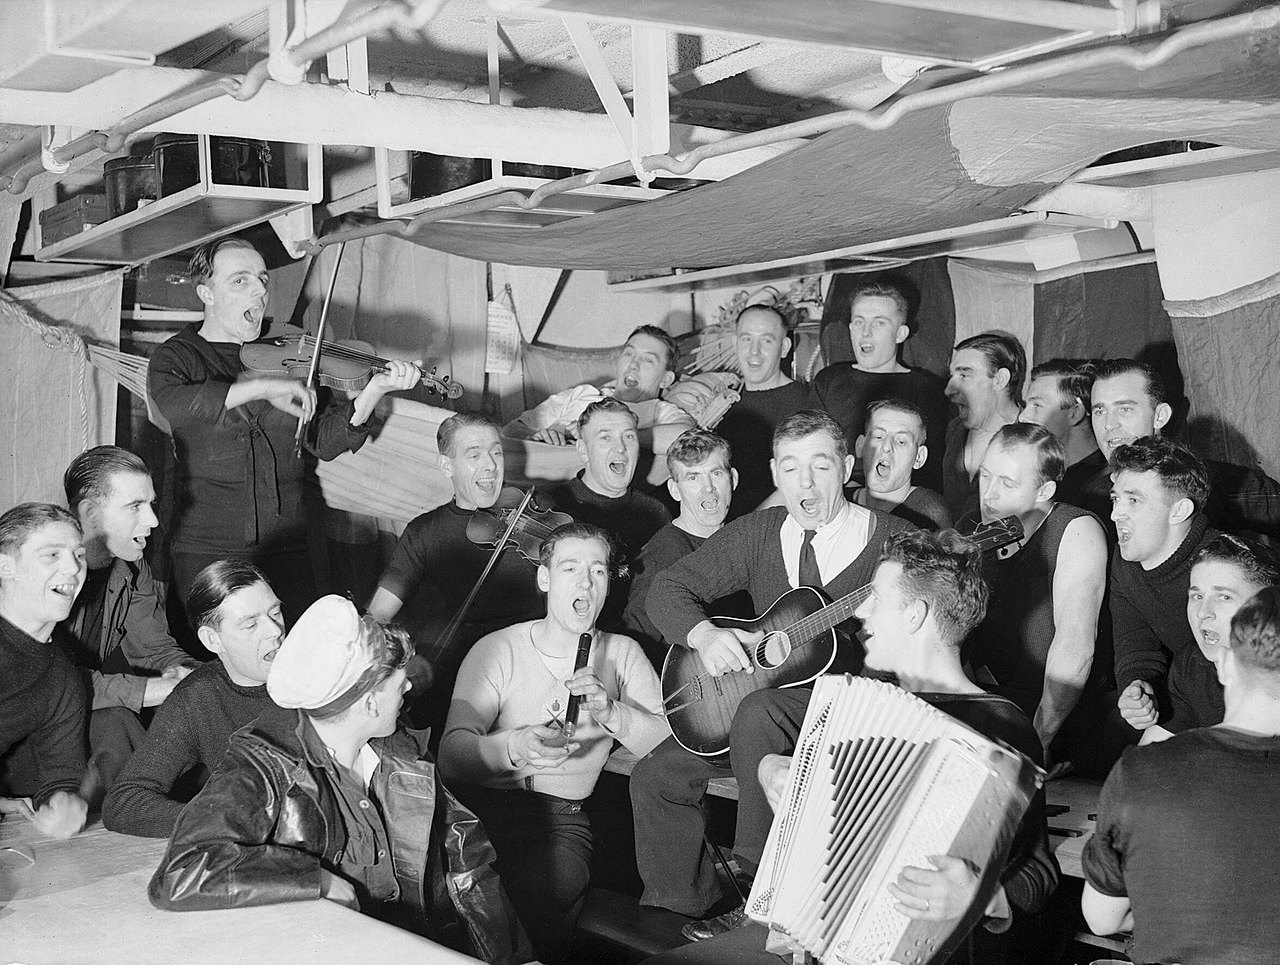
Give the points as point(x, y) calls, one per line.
point(650, 125)
point(294, 229)
point(287, 20)
point(50, 138)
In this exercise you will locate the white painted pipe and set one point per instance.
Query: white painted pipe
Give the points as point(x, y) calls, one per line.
point(314, 113)
point(1102, 201)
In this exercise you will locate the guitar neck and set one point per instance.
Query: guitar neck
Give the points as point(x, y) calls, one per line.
point(987, 537)
point(830, 616)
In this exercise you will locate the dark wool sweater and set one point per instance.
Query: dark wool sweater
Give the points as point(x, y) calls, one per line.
point(44, 705)
point(747, 555)
point(631, 520)
point(241, 482)
point(1149, 610)
point(748, 428)
point(190, 728)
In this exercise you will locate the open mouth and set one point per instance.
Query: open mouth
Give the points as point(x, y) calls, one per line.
point(270, 655)
point(1115, 442)
point(1123, 535)
point(866, 348)
point(711, 504)
point(1210, 637)
point(809, 506)
point(66, 591)
point(618, 467)
point(486, 483)
point(581, 606)
point(630, 381)
point(882, 469)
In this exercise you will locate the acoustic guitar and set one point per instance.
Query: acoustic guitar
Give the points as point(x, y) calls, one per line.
point(798, 646)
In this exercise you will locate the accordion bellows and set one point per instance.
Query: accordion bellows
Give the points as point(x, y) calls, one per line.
point(880, 780)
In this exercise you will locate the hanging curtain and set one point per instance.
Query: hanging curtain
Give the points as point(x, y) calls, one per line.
point(1230, 341)
point(55, 403)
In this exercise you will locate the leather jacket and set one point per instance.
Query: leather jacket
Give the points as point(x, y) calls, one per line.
point(268, 822)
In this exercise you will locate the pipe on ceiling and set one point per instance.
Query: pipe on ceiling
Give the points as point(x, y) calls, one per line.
point(878, 118)
point(393, 14)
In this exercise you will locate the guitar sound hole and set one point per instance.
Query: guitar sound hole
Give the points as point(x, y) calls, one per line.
point(773, 651)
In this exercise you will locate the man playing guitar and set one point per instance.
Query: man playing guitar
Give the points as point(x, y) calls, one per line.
point(819, 539)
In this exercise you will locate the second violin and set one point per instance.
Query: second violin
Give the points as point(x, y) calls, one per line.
point(534, 524)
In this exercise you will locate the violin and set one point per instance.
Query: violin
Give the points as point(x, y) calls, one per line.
point(487, 526)
point(347, 365)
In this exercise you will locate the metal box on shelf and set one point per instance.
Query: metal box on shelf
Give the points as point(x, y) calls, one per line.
point(207, 209)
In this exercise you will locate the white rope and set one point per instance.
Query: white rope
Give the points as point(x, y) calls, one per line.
point(59, 340)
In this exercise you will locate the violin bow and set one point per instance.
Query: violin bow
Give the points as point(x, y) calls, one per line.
point(451, 630)
point(315, 355)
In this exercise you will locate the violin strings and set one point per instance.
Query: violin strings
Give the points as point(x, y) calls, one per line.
point(343, 352)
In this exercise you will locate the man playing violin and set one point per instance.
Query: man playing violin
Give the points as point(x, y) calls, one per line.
point(1036, 644)
point(240, 477)
point(435, 564)
point(819, 539)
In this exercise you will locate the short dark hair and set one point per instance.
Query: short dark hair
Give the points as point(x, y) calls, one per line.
point(1051, 459)
point(1075, 379)
point(897, 405)
point(578, 531)
point(89, 475)
point(695, 446)
point(945, 571)
point(1180, 469)
point(771, 309)
point(607, 404)
point(214, 584)
point(1255, 631)
point(663, 336)
point(1257, 562)
point(1110, 368)
point(456, 422)
point(882, 288)
point(802, 424)
point(200, 267)
point(17, 525)
point(1002, 350)
point(393, 648)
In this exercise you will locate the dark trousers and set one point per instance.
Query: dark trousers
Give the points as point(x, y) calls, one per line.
point(544, 859)
point(114, 734)
point(667, 792)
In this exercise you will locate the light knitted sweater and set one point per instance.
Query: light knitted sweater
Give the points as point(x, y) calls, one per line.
point(505, 683)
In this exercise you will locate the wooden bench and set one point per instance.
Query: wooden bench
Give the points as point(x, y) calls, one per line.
point(622, 761)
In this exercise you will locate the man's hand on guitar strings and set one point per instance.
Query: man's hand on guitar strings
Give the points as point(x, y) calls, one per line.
point(724, 650)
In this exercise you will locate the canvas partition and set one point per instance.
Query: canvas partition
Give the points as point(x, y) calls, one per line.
point(1111, 308)
point(54, 403)
point(993, 295)
point(932, 307)
point(1233, 368)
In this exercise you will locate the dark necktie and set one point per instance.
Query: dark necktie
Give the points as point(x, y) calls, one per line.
point(809, 574)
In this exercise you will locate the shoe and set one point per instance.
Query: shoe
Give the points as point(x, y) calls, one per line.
point(696, 931)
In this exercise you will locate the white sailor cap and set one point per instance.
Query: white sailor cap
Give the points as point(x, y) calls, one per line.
point(326, 661)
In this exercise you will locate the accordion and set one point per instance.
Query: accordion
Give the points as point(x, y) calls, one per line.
point(879, 781)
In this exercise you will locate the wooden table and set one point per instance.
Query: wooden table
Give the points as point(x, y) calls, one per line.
point(1081, 796)
point(84, 902)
